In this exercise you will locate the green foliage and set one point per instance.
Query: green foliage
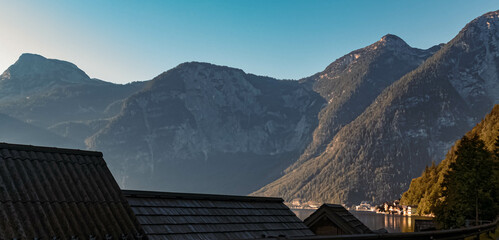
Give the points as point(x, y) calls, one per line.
point(469, 186)
point(422, 191)
point(496, 150)
point(425, 190)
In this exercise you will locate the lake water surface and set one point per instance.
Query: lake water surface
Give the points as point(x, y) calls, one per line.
point(374, 221)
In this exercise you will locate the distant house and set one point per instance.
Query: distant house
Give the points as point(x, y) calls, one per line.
point(52, 193)
point(412, 210)
point(334, 219)
point(296, 202)
point(205, 216)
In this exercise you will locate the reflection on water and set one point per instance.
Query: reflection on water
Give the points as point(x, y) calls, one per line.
point(392, 223)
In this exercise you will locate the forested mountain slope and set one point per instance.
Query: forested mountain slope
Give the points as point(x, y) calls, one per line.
point(426, 189)
point(352, 82)
point(410, 124)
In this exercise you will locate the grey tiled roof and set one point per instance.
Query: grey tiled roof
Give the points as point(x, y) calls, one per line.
point(52, 192)
point(204, 216)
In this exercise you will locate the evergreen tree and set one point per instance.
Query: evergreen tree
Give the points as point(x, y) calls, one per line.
point(470, 190)
point(496, 165)
point(496, 150)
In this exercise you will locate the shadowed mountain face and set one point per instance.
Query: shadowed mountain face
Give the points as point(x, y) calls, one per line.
point(206, 128)
point(412, 122)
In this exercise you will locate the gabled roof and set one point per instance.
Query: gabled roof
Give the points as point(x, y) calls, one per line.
point(52, 192)
point(338, 215)
point(205, 216)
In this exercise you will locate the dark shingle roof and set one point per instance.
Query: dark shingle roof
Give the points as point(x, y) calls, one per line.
point(204, 216)
point(52, 192)
point(340, 217)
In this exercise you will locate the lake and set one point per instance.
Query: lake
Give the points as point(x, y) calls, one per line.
point(374, 221)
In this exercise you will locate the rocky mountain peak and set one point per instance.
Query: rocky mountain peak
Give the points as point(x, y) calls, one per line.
point(31, 57)
point(391, 40)
point(475, 49)
point(483, 27)
point(388, 47)
point(192, 64)
point(487, 17)
point(33, 73)
point(198, 75)
point(205, 67)
point(33, 67)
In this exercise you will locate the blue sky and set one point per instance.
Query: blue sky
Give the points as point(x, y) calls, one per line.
point(123, 41)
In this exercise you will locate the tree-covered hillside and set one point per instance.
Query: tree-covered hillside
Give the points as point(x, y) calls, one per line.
point(426, 189)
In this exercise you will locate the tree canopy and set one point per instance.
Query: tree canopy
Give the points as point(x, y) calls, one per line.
point(469, 189)
point(427, 190)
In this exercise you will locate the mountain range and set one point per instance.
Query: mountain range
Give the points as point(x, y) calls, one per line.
point(359, 130)
point(411, 123)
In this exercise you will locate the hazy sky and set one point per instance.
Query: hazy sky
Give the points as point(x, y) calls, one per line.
point(123, 41)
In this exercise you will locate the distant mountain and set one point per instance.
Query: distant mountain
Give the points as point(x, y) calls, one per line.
point(411, 123)
point(352, 82)
point(207, 128)
point(46, 92)
point(15, 131)
point(32, 73)
point(426, 189)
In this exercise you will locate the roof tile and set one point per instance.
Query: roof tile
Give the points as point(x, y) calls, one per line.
point(204, 216)
point(49, 192)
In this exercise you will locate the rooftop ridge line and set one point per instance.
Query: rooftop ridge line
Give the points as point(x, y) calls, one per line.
point(198, 196)
point(22, 147)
